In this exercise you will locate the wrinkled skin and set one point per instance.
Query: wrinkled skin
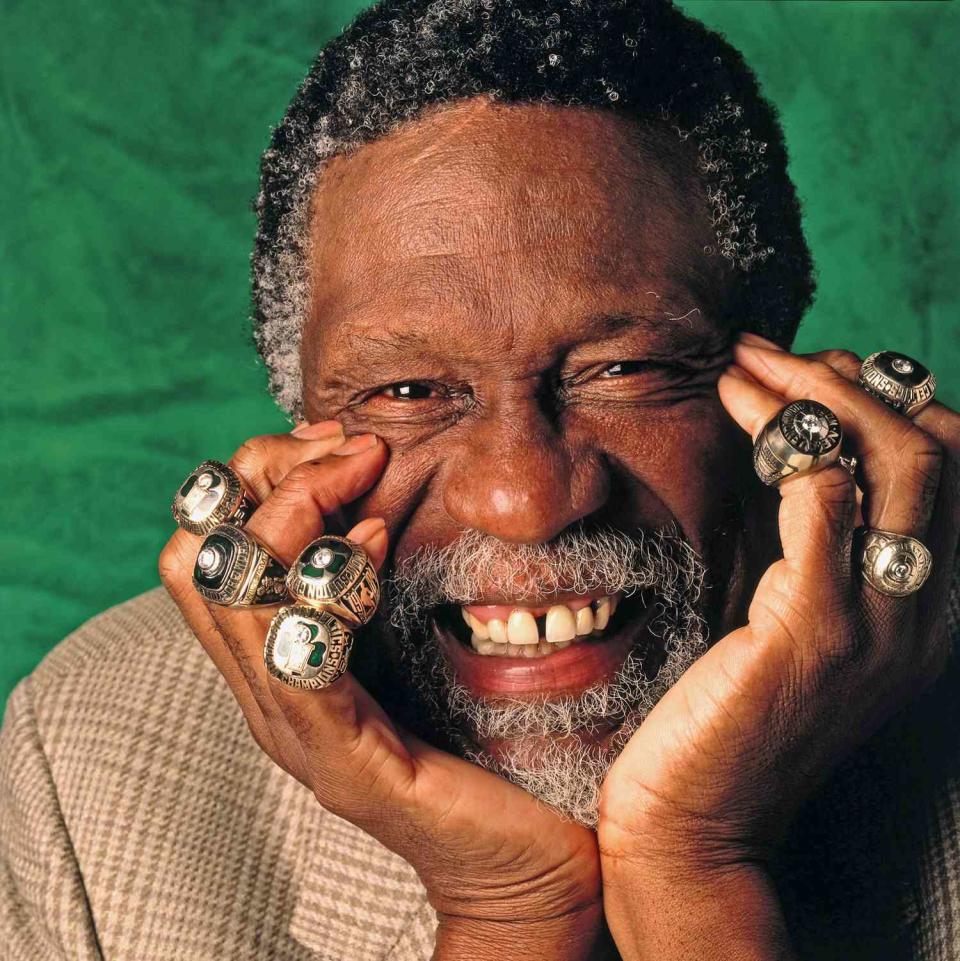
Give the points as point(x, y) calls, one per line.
point(475, 276)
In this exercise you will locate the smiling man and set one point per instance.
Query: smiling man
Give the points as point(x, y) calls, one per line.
point(525, 277)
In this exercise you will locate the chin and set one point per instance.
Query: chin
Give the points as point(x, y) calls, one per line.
point(530, 751)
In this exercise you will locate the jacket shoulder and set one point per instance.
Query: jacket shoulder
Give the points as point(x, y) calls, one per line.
point(124, 649)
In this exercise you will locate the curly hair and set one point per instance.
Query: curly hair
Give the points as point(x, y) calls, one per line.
point(642, 59)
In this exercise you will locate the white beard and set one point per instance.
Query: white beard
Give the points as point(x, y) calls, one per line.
point(566, 775)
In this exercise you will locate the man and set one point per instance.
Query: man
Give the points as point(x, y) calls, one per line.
point(524, 276)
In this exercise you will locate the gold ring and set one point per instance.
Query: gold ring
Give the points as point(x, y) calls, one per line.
point(335, 574)
point(234, 570)
point(307, 648)
point(211, 495)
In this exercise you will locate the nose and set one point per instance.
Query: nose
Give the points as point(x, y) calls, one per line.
point(517, 477)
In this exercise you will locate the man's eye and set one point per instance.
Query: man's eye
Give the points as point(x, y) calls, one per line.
point(623, 368)
point(410, 390)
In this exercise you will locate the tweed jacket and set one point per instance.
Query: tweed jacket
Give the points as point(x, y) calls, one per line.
point(139, 822)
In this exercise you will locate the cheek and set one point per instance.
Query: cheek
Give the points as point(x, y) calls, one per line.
point(690, 458)
point(681, 463)
point(402, 497)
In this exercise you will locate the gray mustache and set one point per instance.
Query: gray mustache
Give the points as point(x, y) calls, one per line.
point(579, 561)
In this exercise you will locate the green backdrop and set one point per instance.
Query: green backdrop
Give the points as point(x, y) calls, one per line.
point(129, 141)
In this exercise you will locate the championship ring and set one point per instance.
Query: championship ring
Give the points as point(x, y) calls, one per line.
point(233, 570)
point(803, 437)
point(899, 381)
point(307, 648)
point(335, 574)
point(211, 495)
point(893, 564)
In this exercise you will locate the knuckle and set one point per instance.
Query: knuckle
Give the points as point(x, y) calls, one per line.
point(949, 432)
point(302, 478)
point(843, 360)
point(310, 483)
point(824, 371)
point(834, 490)
point(925, 458)
point(251, 454)
point(807, 378)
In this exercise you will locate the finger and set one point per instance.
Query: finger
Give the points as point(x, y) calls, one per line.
point(748, 402)
point(371, 534)
point(345, 742)
point(929, 643)
point(944, 425)
point(293, 514)
point(262, 462)
point(817, 509)
point(288, 519)
point(900, 463)
point(936, 418)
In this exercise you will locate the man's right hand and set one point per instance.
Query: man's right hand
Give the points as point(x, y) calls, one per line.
point(504, 873)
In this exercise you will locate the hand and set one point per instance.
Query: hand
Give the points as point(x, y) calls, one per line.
point(506, 875)
point(707, 787)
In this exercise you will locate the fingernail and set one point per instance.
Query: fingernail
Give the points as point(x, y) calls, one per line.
point(318, 431)
point(356, 445)
point(755, 340)
point(367, 529)
point(738, 372)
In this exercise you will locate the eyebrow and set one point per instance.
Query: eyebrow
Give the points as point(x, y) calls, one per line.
point(383, 345)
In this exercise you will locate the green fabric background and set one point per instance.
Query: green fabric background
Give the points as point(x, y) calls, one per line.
point(129, 142)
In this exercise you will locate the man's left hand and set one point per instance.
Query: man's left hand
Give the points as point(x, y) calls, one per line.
point(699, 799)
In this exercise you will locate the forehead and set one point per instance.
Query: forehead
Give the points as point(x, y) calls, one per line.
point(517, 215)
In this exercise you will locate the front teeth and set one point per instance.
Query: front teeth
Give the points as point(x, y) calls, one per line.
point(519, 636)
point(522, 628)
point(561, 624)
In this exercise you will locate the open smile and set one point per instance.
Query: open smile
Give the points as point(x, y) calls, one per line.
point(563, 646)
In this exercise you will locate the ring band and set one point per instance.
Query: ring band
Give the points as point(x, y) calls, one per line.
point(898, 380)
point(233, 570)
point(893, 564)
point(335, 574)
point(804, 436)
point(307, 648)
point(211, 495)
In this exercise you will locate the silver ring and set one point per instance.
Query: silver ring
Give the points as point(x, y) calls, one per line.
point(893, 564)
point(336, 574)
point(307, 648)
point(233, 570)
point(898, 380)
point(804, 436)
point(211, 495)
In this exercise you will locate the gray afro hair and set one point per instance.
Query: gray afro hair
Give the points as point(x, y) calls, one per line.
point(640, 58)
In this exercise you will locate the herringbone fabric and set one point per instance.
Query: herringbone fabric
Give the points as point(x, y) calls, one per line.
point(139, 822)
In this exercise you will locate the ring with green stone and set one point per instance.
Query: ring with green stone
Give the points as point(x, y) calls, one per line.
point(211, 495)
point(307, 648)
point(234, 570)
point(335, 574)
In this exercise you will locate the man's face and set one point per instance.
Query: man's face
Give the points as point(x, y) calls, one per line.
point(518, 300)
